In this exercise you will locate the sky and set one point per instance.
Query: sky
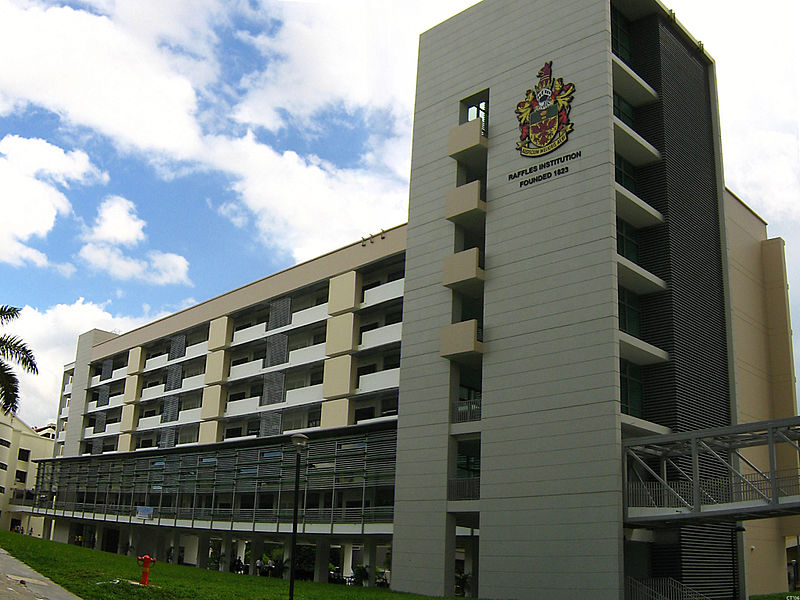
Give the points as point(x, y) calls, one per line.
point(156, 154)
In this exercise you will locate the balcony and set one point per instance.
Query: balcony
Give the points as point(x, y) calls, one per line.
point(463, 272)
point(464, 488)
point(248, 334)
point(245, 406)
point(633, 147)
point(113, 401)
point(464, 411)
point(300, 318)
point(304, 395)
point(309, 315)
point(383, 293)
point(381, 336)
point(116, 375)
point(149, 422)
point(465, 206)
point(638, 351)
point(111, 429)
point(638, 280)
point(298, 357)
point(248, 369)
point(151, 392)
point(629, 85)
point(190, 415)
point(461, 342)
point(64, 413)
point(382, 380)
point(306, 355)
point(634, 210)
point(467, 144)
point(62, 435)
point(67, 389)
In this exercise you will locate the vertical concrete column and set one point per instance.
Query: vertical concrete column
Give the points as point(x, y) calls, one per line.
point(99, 530)
point(176, 544)
point(287, 556)
point(256, 552)
point(122, 541)
point(47, 527)
point(225, 553)
point(347, 557)
point(321, 556)
point(471, 566)
point(370, 557)
point(449, 553)
point(203, 542)
point(162, 545)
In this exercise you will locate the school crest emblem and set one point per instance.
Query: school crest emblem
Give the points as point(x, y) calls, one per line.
point(544, 114)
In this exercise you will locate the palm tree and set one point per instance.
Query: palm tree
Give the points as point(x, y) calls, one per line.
point(12, 349)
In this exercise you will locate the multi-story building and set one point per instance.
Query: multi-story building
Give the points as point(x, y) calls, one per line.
point(589, 321)
point(20, 446)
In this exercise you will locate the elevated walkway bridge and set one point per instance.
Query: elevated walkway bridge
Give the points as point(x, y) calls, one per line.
point(722, 474)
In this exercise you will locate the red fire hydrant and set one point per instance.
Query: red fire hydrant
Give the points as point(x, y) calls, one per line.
point(145, 562)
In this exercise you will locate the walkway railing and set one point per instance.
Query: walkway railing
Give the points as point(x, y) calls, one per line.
point(660, 588)
point(712, 474)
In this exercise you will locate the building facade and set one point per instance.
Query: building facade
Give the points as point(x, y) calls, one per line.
point(20, 447)
point(573, 276)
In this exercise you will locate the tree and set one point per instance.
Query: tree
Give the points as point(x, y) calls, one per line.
point(15, 350)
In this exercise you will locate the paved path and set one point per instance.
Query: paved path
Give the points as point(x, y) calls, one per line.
point(19, 582)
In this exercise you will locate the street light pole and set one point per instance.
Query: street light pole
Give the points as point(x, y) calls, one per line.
point(299, 441)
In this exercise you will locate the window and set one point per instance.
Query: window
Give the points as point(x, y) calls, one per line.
point(394, 317)
point(188, 435)
point(629, 313)
point(627, 240)
point(314, 417)
point(316, 377)
point(366, 370)
point(3, 466)
point(368, 412)
point(624, 173)
point(476, 107)
point(233, 432)
point(21, 476)
point(389, 406)
point(190, 402)
point(468, 459)
point(24, 454)
point(145, 443)
point(253, 427)
point(620, 35)
point(236, 396)
point(319, 338)
point(623, 111)
point(2, 490)
point(5, 443)
point(630, 376)
point(240, 361)
point(256, 389)
point(391, 360)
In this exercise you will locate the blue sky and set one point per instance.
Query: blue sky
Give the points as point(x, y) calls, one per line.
point(154, 154)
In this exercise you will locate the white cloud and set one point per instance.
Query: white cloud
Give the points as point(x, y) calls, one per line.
point(306, 205)
point(92, 72)
point(30, 172)
point(52, 335)
point(117, 223)
point(160, 268)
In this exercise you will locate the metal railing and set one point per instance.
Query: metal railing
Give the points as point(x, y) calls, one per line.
point(660, 588)
point(462, 411)
point(464, 488)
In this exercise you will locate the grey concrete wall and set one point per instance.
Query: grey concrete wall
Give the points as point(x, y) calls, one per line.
point(550, 508)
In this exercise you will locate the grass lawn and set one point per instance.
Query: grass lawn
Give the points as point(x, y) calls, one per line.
point(90, 575)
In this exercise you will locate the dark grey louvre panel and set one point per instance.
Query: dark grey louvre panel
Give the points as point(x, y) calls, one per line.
point(170, 411)
point(174, 377)
point(102, 395)
point(270, 424)
point(108, 368)
point(99, 422)
point(280, 313)
point(177, 346)
point(277, 350)
point(97, 446)
point(273, 389)
point(167, 437)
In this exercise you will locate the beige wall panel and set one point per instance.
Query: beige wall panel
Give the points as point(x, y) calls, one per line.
point(209, 432)
point(217, 366)
point(344, 292)
point(220, 332)
point(336, 413)
point(128, 420)
point(765, 556)
point(213, 405)
point(125, 442)
point(341, 334)
point(133, 389)
point(136, 358)
point(338, 377)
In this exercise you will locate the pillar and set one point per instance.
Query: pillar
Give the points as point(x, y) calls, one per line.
point(347, 559)
point(47, 527)
point(256, 552)
point(370, 557)
point(99, 530)
point(133, 541)
point(203, 542)
point(225, 553)
point(471, 566)
point(321, 560)
point(176, 545)
point(161, 545)
point(122, 542)
point(287, 556)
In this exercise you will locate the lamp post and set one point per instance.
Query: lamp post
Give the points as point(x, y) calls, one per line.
point(299, 441)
